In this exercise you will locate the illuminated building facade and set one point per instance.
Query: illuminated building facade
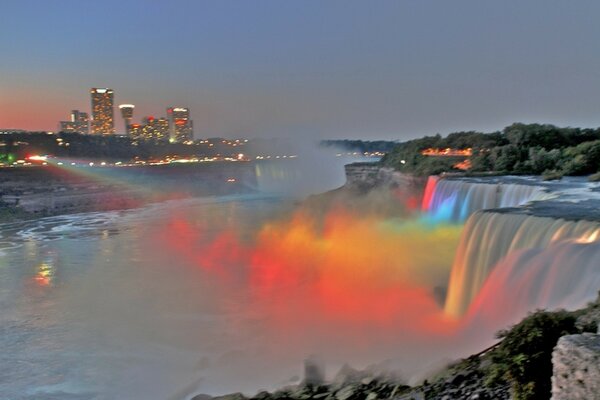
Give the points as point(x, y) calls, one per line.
point(135, 132)
point(162, 129)
point(127, 114)
point(79, 123)
point(155, 129)
point(181, 127)
point(102, 111)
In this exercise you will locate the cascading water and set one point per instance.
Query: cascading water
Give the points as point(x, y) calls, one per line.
point(488, 237)
point(566, 274)
point(455, 200)
point(542, 261)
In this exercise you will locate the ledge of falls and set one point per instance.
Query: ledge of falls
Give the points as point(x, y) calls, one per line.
point(539, 251)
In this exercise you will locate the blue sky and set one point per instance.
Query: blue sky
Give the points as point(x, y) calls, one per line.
point(316, 69)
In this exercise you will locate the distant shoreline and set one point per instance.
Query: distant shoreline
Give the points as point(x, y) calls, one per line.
point(31, 193)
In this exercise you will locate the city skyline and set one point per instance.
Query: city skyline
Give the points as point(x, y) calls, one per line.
point(347, 69)
point(176, 127)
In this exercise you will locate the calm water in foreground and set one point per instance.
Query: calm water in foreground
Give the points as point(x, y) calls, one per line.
point(95, 306)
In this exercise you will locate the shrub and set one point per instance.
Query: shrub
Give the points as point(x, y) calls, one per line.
point(524, 357)
point(552, 175)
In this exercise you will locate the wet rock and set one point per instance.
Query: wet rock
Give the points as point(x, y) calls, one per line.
point(263, 395)
point(371, 396)
point(314, 372)
point(347, 392)
point(347, 375)
point(232, 396)
point(202, 397)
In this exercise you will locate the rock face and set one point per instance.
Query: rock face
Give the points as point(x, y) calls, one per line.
point(368, 175)
point(576, 367)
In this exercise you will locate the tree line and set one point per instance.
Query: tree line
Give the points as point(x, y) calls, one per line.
point(538, 149)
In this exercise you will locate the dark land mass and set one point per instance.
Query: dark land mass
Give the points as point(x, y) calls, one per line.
point(32, 192)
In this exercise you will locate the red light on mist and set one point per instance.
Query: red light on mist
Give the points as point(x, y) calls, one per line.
point(429, 192)
point(345, 273)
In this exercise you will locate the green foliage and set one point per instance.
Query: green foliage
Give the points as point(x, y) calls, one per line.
point(582, 159)
point(551, 175)
point(594, 177)
point(524, 357)
point(505, 157)
point(518, 149)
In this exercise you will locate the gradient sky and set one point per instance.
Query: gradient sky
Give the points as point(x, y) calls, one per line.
point(328, 69)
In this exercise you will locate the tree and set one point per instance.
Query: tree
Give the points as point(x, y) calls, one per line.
point(524, 357)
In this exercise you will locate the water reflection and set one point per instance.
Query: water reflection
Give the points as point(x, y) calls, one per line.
point(45, 274)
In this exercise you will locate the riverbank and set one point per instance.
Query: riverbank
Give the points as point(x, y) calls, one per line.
point(35, 192)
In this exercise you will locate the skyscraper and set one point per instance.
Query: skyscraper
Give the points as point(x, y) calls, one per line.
point(155, 129)
point(135, 132)
point(102, 111)
point(127, 113)
point(79, 123)
point(181, 127)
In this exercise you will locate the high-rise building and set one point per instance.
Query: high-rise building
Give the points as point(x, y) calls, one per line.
point(135, 132)
point(162, 129)
point(155, 129)
point(181, 127)
point(102, 111)
point(79, 123)
point(127, 114)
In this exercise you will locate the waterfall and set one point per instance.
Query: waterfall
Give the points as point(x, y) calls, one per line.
point(455, 200)
point(489, 236)
point(566, 274)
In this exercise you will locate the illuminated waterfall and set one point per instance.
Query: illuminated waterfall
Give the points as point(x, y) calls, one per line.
point(455, 200)
point(566, 274)
point(490, 236)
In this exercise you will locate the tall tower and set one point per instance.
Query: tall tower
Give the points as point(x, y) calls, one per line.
point(102, 111)
point(181, 127)
point(127, 114)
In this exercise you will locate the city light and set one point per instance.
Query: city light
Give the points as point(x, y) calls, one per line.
point(37, 158)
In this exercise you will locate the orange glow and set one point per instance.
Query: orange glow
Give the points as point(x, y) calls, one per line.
point(448, 152)
point(44, 275)
point(463, 165)
point(342, 271)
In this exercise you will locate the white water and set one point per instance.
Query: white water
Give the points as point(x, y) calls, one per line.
point(456, 200)
point(565, 274)
point(488, 237)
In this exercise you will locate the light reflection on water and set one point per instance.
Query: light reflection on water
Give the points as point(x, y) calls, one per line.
point(73, 290)
point(224, 295)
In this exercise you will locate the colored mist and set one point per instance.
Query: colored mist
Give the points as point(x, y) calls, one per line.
point(232, 293)
point(216, 296)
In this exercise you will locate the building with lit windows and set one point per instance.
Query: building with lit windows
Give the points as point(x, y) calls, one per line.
point(79, 123)
point(162, 129)
point(181, 127)
point(102, 111)
point(127, 114)
point(155, 129)
point(135, 132)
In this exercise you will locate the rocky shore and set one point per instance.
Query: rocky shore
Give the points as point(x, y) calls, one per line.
point(465, 380)
point(573, 358)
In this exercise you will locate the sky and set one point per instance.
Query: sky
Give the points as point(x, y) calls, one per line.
point(312, 68)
